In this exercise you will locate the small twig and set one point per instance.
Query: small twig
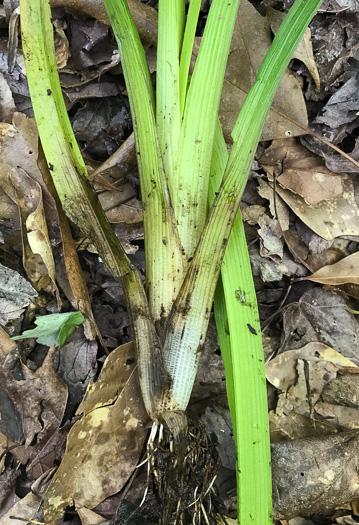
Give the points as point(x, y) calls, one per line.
point(271, 317)
point(27, 520)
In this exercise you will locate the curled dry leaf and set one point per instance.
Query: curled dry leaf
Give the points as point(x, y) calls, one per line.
point(342, 272)
point(21, 180)
point(105, 445)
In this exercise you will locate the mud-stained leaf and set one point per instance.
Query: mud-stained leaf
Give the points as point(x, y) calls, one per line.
point(7, 104)
point(304, 51)
point(250, 43)
point(40, 397)
point(104, 446)
point(53, 329)
point(25, 509)
point(15, 294)
point(88, 517)
point(342, 272)
point(323, 471)
point(321, 316)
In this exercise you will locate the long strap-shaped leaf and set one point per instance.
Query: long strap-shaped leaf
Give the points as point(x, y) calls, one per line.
point(191, 174)
point(237, 321)
point(189, 318)
point(77, 196)
point(168, 113)
point(164, 268)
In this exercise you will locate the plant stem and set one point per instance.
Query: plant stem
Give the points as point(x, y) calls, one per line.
point(80, 203)
point(164, 255)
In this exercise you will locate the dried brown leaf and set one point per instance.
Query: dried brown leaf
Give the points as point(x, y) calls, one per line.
point(105, 445)
point(250, 43)
point(342, 272)
point(40, 398)
point(25, 509)
point(302, 172)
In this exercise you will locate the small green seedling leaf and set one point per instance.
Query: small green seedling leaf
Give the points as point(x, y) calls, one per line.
point(53, 328)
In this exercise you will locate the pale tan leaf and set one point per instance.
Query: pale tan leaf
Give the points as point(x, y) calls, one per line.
point(25, 509)
point(88, 517)
point(342, 272)
point(103, 447)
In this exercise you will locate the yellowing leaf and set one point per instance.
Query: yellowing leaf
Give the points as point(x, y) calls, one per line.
point(342, 272)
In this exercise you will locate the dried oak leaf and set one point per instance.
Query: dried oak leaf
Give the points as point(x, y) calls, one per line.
point(40, 398)
point(105, 445)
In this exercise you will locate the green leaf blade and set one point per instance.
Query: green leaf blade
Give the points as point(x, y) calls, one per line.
point(53, 328)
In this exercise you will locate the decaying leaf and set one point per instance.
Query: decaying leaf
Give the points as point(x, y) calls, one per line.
point(15, 294)
point(342, 272)
point(40, 397)
point(105, 445)
point(25, 509)
point(250, 43)
point(324, 472)
point(321, 316)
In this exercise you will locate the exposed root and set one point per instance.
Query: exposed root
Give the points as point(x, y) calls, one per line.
point(179, 492)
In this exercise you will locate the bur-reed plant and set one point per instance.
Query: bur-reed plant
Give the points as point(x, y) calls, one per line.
point(191, 189)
